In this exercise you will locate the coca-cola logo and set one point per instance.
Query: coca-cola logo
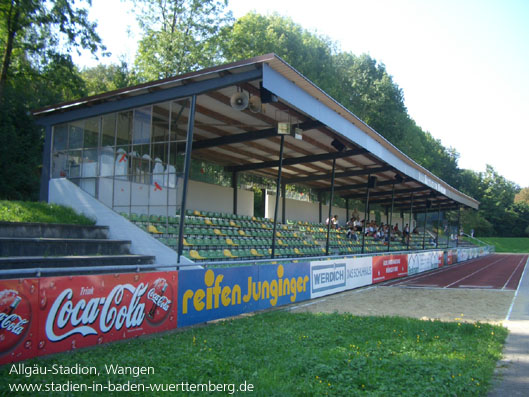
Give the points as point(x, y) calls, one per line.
point(161, 296)
point(112, 312)
point(15, 318)
point(162, 302)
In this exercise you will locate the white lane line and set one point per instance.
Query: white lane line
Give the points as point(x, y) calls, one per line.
point(435, 271)
point(471, 274)
point(521, 261)
point(517, 289)
point(306, 304)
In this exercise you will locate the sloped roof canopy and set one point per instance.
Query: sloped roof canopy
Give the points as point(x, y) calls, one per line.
point(246, 141)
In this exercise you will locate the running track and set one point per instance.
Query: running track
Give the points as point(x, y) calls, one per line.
point(498, 271)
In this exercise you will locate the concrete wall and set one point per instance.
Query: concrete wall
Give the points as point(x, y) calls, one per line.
point(297, 210)
point(62, 191)
point(207, 197)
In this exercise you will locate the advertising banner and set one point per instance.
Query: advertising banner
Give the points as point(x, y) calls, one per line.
point(359, 272)
point(451, 257)
point(82, 311)
point(327, 277)
point(19, 319)
point(388, 267)
point(205, 295)
point(423, 261)
point(462, 254)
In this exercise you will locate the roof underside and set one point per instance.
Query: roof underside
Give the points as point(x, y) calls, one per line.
point(246, 141)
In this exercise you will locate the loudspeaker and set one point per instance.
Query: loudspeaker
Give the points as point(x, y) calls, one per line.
point(339, 146)
point(372, 182)
point(239, 101)
point(255, 104)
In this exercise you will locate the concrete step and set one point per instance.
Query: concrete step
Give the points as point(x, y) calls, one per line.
point(48, 230)
point(61, 247)
point(28, 262)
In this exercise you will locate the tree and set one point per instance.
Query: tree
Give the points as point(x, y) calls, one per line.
point(35, 31)
point(178, 36)
point(522, 196)
point(103, 78)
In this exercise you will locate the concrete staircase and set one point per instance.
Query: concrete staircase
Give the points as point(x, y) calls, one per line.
point(37, 245)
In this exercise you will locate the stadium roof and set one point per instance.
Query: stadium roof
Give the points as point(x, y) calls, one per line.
point(247, 141)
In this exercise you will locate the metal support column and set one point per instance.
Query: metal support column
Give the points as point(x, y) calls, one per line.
point(234, 184)
point(438, 225)
point(424, 228)
point(187, 167)
point(330, 206)
point(284, 203)
point(458, 224)
point(278, 189)
point(391, 216)
point(409, 224)
point(320, 207)
point(366, 211)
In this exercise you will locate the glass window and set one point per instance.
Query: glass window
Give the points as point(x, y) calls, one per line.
point(91, 132)
point(179, 113)
point(160, 122)
point(142, 125)
point(124, 128)
point(59, 166)
point(60, 137)
point(108, 130)
point(75, 138)
point(74, 164)
point(89, 168)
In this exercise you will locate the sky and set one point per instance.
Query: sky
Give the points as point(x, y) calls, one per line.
point(463, 65)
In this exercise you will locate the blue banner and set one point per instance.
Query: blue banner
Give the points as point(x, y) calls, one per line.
point(205, 295)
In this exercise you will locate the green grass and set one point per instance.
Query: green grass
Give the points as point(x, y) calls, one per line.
point(27, 211)
point(284, 354)
point(508, 244)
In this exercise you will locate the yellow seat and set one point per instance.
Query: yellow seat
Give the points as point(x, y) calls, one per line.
point(254, 252)
point(241, 232)
point(218, 232)
point(195, 255)
point(233, 224)
point(197, 213)
point(208, 222)
point(229, 241)
point(152, 229)
point(228, 254)
point(186, 243)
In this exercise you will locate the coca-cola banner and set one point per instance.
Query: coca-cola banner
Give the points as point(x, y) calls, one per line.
point(87, 310)
point(18, 319)
point(388, 267)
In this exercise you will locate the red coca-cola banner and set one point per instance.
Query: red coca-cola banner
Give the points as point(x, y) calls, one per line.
point(388, 267)
point(18, 319)
point(82, 311)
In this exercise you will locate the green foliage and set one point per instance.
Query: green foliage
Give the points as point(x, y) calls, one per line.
point(518, 245)
point(178, 36)
point(522, 196)
point(26, 211)
point(284, 354)
point(104, 78)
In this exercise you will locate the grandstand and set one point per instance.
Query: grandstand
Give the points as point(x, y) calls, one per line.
point(137, 151)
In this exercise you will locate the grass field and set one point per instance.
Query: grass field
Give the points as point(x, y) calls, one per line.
point(285, 354)
point(508, 244)
point(27, 211)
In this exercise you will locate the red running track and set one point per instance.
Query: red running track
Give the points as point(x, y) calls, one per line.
point(498, 271)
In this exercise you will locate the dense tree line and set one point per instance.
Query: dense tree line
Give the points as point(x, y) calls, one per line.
point(37, 38)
